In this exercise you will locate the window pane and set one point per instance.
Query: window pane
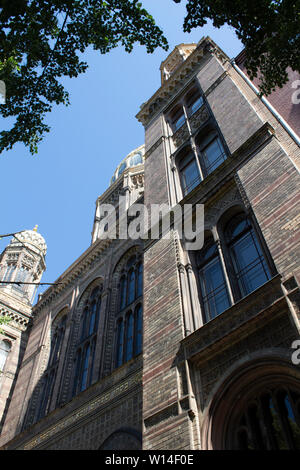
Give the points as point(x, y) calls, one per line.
point(123, 293)
point(129, 338)
point(249, 263)
point(138, 330)
point(131, 288)
point(190, 177)
point(9, 272)
point(195, 105)
point(4, 350)
point(269, 422)
point(140, 281)
point(84, 322)
point(213, 288)
point(213, 155)
point(77, 371)
point(119, 355)
point(122, 168)
point(85, 368)
point(178, 122)
point(92, 318)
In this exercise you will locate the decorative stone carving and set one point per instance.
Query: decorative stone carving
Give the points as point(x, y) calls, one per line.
point(199, 118)
point(181, 135)
point(137, 181)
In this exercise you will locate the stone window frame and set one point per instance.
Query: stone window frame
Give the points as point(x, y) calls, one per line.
point(58, 329)
point(197, 137)
point(129, 308)
point(182, 108)
point(217, 233)
point(204, 139)
point(6, 350)
point(84, 357)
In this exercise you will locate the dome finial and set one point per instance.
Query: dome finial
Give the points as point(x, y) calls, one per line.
point(35, 228)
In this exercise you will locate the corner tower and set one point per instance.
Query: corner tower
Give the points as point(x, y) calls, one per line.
point(22, 264)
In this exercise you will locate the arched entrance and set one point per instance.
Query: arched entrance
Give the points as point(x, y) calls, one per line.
point(257, 407)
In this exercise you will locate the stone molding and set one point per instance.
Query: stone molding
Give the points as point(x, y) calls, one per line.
point(165, 93)
point(220, 332)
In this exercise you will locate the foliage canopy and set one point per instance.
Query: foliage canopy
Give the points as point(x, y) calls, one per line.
point(41, 41)
point(268, 29)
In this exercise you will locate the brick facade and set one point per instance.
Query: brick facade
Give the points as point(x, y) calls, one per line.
point(185, 391)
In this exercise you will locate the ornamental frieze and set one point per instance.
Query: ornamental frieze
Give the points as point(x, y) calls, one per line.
point(181, 135)
point(199, 118)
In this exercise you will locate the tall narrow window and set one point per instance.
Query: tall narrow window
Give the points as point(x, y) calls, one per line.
point(129, 337)
point(5, 347)
point(58, 333)
point(123, 289)
point(140, 280)
point(138, 334)
point(212, 282)
point(85, 368)
point(22, 274)
point(189, 173)
point(120, 337)
point(128, 340)
point(131, 287)
point(247, 258)
point(9, 272)
point(48, 385)
point(85, 354)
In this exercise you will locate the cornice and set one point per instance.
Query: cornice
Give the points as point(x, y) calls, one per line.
point(163, 95)
point(18, 320)
point(81, 265)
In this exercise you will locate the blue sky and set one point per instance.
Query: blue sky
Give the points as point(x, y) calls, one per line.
point(58, 187)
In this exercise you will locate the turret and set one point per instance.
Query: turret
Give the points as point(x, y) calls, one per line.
point(23, 261)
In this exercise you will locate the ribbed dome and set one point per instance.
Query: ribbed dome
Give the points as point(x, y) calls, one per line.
point(33, 238)
point(134, 158)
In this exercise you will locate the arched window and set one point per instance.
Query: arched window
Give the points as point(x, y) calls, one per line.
point(5, 347)
point(86, 346)
point(57, 339)
point(47, 391)
point(214, 294)
point(21, 276)
point(128, 341)
point(49, 377)
point(271, 421)
point(9, 272)
point(189, 172)
point(246, 255)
